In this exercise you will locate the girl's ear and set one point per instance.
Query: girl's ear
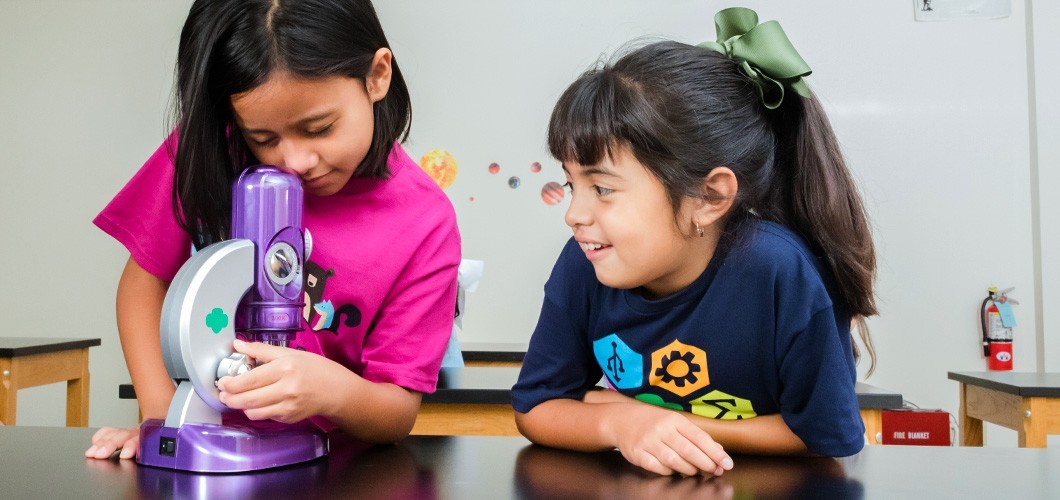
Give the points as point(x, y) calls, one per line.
point(377, 81)
point(718, 192)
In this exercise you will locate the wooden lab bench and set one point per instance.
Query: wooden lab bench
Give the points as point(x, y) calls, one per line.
point(1028, 403)
point(29, 362)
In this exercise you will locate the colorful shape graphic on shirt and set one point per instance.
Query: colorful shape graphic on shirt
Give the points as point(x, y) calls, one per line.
point(623, 367)
point(658, 401)
point(679, 368)
point(719, 405)
point(441, 166)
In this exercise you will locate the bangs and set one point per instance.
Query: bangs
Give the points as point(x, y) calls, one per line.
point(585, 127)
point(602, 110)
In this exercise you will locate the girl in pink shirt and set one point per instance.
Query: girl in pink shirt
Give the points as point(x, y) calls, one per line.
point(311, 86)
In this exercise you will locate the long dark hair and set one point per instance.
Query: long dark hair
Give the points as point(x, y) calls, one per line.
point(232, 46)
point(684, 110)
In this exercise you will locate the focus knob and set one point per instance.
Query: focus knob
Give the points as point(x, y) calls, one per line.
point(235, 364)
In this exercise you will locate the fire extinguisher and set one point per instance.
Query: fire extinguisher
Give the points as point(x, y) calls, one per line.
point(997, 322)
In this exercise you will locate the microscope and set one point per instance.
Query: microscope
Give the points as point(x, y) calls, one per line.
point(250, 286)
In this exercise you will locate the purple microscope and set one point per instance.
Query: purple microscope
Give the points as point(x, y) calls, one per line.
point(250, 286)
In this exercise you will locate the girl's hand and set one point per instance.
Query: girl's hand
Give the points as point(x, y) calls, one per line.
point(665, 442)
point(110, 439)
point(288, 385)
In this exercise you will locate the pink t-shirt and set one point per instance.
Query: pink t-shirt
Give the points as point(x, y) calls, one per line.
point(380, 281)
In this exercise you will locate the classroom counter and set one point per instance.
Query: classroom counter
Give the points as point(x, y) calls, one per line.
point(48, 462)
point(493, 385)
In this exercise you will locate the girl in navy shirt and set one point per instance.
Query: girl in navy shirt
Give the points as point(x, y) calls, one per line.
point(720, 252)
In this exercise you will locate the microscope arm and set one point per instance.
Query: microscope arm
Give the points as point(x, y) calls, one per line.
point(198, 326)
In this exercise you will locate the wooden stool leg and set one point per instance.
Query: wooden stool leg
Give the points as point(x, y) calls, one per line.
point(8, 392)
point(77, 395)
point(971, 428)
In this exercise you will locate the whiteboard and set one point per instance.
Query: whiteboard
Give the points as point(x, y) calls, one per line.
point(932, 117)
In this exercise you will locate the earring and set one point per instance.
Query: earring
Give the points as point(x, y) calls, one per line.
point(699, 230)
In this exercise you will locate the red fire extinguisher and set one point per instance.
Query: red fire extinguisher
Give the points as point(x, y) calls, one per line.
point(997, 322)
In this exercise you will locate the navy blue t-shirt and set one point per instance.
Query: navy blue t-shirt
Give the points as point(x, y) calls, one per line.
point(756, 334)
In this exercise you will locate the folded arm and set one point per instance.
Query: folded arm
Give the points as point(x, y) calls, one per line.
point(658, 440)
point(765, 435)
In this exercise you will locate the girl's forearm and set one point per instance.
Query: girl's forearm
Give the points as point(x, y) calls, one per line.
point(763, 435)
point(139, 307)
point(570, 424)
point(373, 412)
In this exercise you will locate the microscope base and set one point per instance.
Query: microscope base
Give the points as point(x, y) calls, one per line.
point(221, 448)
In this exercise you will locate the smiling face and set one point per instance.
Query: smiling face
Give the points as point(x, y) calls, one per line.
point(320, 129)
point(625, 224)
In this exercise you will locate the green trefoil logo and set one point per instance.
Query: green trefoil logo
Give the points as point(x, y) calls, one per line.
point(217, 320)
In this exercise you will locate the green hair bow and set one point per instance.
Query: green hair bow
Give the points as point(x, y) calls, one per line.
point(763, 51)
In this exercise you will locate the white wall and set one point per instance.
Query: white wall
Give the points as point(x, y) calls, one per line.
point(934, 119)
point(83, 90)
point(1046, 119)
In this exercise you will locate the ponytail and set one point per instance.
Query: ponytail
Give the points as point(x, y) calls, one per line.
point(813, 194)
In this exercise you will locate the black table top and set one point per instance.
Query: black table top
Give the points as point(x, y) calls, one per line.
point(48, 462)
point(474, 385)
point(11, 347)
point(871, 397)
point(493, 385)
point(493, 351)
point(1022, 384)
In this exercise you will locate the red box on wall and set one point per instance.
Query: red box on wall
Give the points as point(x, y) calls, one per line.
point(916, 427)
